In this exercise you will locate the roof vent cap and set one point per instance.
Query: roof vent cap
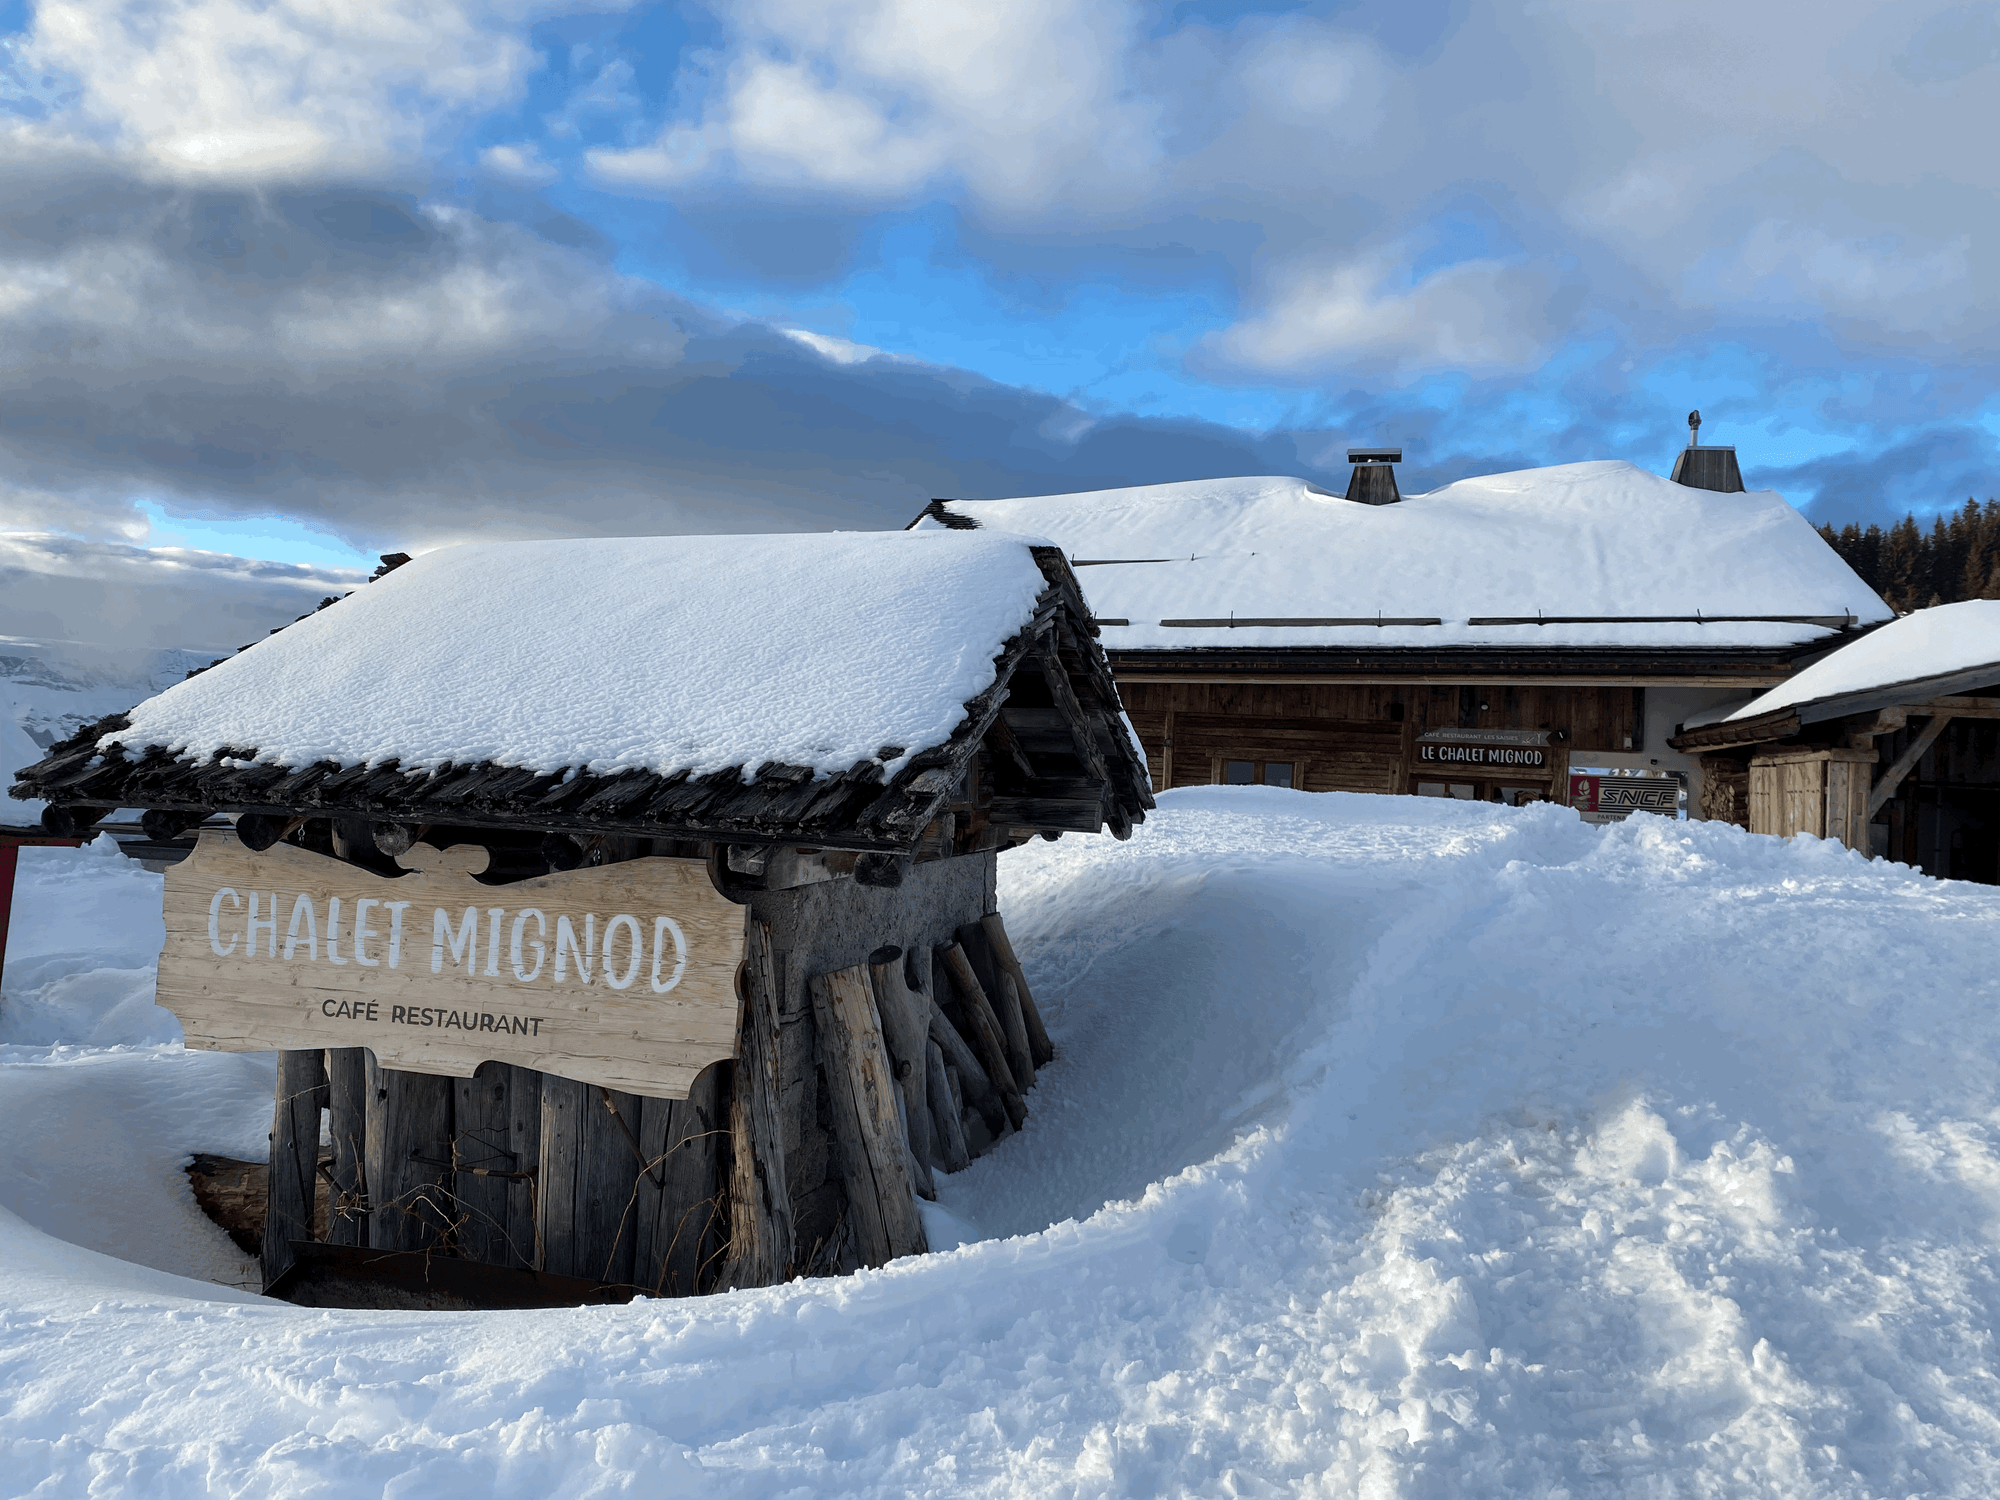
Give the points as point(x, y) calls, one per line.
point(1374, 479)
point(1710, 468)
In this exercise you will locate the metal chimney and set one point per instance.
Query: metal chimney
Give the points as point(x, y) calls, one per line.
point(1374, 481)
point(1712, 468)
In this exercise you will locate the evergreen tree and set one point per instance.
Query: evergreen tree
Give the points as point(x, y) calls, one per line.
point(1958, 558)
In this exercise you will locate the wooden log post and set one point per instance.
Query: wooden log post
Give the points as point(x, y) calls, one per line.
point(1040, 1048)
point(294, 1173)
point(906, 1030)
point(992, 1044)
point(761, 1252)
point(996, 983)
point(347, 1114)
point(874, 1159)
point(958, 1054)
point(947, 1132)
point(408, 1159)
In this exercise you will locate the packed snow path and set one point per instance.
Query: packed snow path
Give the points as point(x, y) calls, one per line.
point(1398, 1147)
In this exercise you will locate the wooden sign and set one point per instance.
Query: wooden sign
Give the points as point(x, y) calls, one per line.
point(1507, 757)
point(622, 975)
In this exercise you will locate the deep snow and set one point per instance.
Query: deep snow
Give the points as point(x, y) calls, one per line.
point(1397, 1147)
point(668, 653)
point(1588, 539)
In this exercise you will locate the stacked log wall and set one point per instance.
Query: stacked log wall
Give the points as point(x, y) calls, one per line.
point(817, 929)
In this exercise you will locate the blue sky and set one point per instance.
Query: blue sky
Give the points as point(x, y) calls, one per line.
point(309, 286)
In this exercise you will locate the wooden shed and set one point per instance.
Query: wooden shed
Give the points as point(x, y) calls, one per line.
point(1890, 745)
point(1526, 636)
point(628, 906)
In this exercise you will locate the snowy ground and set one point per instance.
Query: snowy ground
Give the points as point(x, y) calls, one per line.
point(1398, 1147)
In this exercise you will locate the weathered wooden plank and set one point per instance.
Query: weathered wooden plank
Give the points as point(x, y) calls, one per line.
point(496, 1124)
point(690, 1226)
point(978, 1089)
point(563, 1103)
point(881, 1199)
point(1040, 1048)
point(905, 1019)
point(291, 1181)
point(408, 1160)
point(622, 975)
point(992, 1045)
point(607, 1173)
point(761, 1252)
point(947, 1134)
point(347, 1116)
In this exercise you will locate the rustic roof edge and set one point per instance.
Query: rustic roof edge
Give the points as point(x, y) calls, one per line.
point(855, 809)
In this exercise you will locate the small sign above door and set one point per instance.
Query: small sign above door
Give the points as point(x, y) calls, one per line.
point(1507, 757)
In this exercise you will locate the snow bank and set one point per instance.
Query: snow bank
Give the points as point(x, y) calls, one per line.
point(1397, 1147)
point(681, 653)
point(1576, 539)
point(1929, 643)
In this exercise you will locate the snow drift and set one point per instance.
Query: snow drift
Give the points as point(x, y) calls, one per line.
point(1397, 1147)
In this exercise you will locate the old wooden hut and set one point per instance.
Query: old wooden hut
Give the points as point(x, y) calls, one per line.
point(1520, 636)
point(1890, 745)
point(628, 906)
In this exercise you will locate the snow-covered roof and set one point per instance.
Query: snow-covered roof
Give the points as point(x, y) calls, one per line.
point(1582, 541)
point(664, 654)
point(1947, 649)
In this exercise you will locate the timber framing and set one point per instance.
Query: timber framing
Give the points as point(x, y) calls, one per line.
point(1593, 666)
point(1058, 761)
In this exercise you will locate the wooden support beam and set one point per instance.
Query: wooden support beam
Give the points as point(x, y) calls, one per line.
point(947, 1131)
point(291, 1185)
point(998, 985)
point(1040, 1048)
point(1007, 745)
point(958, 1053)
point(992, 1042)
point(1047, 814)
point(1064, 698)
point(874, 1159)
point(906, 1030)
point(1905, 763)
point(761, 1252)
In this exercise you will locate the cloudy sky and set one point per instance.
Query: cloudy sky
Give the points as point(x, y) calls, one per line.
point(308, 280)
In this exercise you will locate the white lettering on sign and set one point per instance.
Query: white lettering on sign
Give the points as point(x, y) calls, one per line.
point(1514, 756)
point(550, 979)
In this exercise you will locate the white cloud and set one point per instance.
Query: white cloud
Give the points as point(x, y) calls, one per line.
point(246, 91)
point(877, 99)
point(1479, 316)
point(521, 164)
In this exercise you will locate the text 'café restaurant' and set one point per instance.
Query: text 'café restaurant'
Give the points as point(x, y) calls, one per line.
point(1511, 638)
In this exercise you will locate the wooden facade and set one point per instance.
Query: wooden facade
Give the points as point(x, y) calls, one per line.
point(1365, 737)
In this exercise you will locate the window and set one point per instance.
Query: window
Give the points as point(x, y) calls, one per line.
point(1259, 772)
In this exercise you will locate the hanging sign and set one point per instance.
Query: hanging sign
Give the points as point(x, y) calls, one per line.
point(622, 975)
point(1505, 757)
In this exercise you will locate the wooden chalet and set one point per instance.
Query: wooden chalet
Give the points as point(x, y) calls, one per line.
point(628, 904)
point(1890, 745)
point(1516, 637)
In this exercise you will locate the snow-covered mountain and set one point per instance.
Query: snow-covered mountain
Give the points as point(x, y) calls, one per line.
point(50, 689)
